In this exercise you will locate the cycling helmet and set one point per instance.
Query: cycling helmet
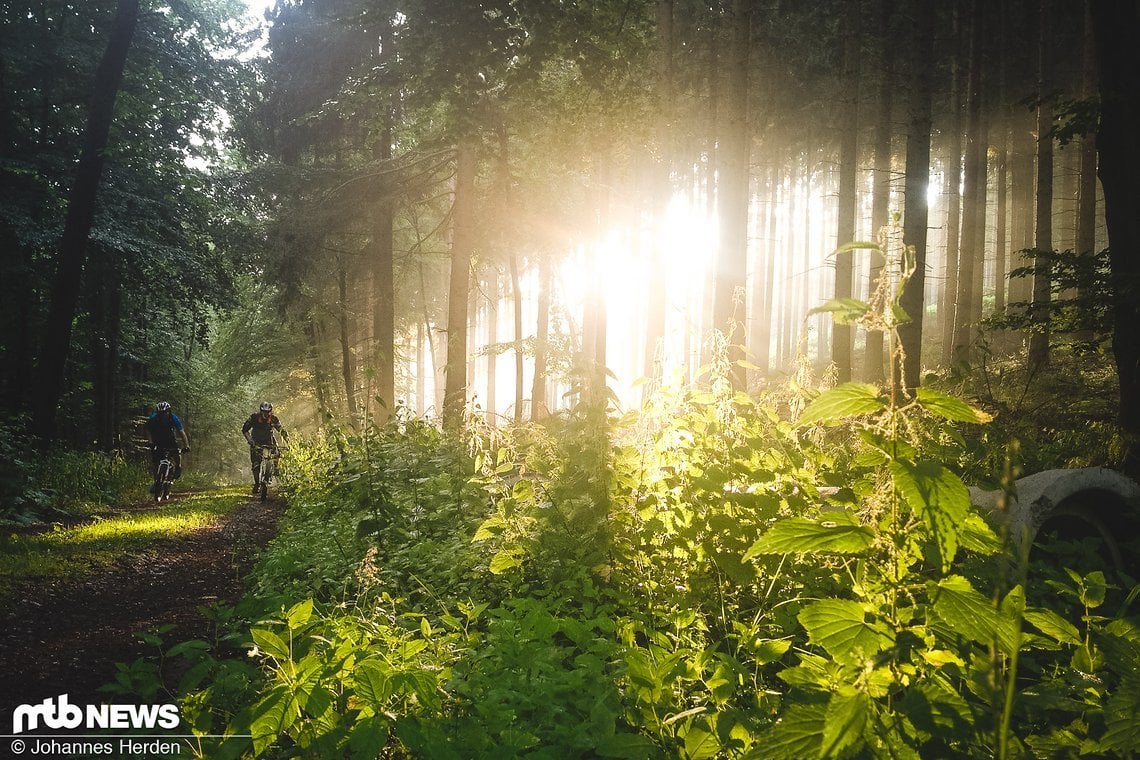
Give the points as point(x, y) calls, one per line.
point(266, 406)
point(162, 406)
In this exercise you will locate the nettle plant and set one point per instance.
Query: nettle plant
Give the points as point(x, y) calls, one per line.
point(920, 658)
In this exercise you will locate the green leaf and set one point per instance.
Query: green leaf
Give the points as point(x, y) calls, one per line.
point(372, 683)
point(843, 727)
point(938, 497)
point(949, 407)
point(700, 743)
point(490, 528)
point(1054, 626)
point(836, 404)
point(299, 614)
point(1093, 589)
point(368, 737)
point(503, 561)
point(840, 627)
point(272, 716)
point(838, 533)
point(968, 613)
point(859, 245)
point(844, 311)
point(798, 734)
point(270, 643)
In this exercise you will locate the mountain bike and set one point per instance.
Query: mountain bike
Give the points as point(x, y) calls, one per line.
point(266, 469)
point(164, 474)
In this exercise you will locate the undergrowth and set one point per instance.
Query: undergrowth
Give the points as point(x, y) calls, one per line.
point(794, 575)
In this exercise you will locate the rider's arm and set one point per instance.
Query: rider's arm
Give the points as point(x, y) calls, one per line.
point(245, 430)
point(185, 438)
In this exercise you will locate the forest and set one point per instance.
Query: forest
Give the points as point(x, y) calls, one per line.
point(660, 374)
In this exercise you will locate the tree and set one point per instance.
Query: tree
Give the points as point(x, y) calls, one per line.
point(1117, 27)
point(842, 338)
point(80, 216)
point(917, 181)
point(732, 188)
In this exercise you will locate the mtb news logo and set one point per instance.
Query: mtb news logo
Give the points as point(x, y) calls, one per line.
point(58, 713)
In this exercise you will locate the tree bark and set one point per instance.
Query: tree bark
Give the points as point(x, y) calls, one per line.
point(462, 242)
point(968, 307)
point(1117, 27)
point(1043, 227)
point(841, 335)
point(873, 368)
point(732, 192)
point(539, 406)
point(55, 342)
point(917, 181)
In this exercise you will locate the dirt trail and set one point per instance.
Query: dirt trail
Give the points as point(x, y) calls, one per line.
point(65, 637)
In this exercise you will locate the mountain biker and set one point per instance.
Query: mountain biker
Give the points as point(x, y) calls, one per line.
point(258, 432)
point(162, 429)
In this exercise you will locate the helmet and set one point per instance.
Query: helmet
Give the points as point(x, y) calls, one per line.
point(162, 406)
point(266, 406)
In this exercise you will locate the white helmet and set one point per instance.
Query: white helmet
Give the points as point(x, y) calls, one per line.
point(266, 406)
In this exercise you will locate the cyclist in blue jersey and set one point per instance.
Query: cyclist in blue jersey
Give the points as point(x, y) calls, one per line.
point(163, 429)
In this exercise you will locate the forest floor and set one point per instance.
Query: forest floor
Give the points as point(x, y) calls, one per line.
point(65, 636)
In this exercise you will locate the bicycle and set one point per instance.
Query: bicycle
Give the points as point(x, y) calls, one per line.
point(164, 474)
point(266, 469)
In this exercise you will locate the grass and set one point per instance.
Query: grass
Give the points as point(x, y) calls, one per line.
point(69, 551)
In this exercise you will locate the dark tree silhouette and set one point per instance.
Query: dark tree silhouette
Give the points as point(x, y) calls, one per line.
point(72, 257)
point(1117, 27)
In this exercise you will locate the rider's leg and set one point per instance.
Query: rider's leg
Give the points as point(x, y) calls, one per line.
point(177, 459)
point(255, 465)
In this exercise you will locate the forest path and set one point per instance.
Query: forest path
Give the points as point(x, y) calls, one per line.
point(65, 636)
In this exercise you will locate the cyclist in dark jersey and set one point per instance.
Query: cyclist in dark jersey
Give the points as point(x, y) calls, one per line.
point(259, 431)
point(163, 428)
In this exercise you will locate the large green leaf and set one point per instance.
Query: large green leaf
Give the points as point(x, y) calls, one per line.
point(846, 716)
point(797, 735)
point(838, 533)
point(840, 627)
point(848, 400)
point(970, 614)
point(938, 497)
point(844, 311)
point(270, 643)
point(1054, 626)
point(373, 687)
point(949, 407)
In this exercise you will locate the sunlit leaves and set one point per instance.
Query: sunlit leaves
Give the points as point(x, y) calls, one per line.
point(847, 714)
point(844, 311)
point(938, 497)
point(837, 404)
point(838, 533)
point(841, 628)
point(970, 614)
point(949, 407)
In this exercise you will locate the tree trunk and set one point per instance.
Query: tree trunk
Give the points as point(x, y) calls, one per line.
point(967, 308)
point(841, 335)
point(56, 340)
point(661, 192)
point(539, 405)
point(462, 241)
point(917, 181)
point(732, 193)
point(873, 368)
point(516, 294)
point(1086, 189)
point(347, 355)
point(948, 292)
point(1043, 227)
point(1117, 27)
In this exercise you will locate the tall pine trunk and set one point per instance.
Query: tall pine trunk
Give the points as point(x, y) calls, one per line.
point(1117, 27)
point(1043, 224)
point(917, 180)
point(841, 335)
point(462, 241)
point(732, 192)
